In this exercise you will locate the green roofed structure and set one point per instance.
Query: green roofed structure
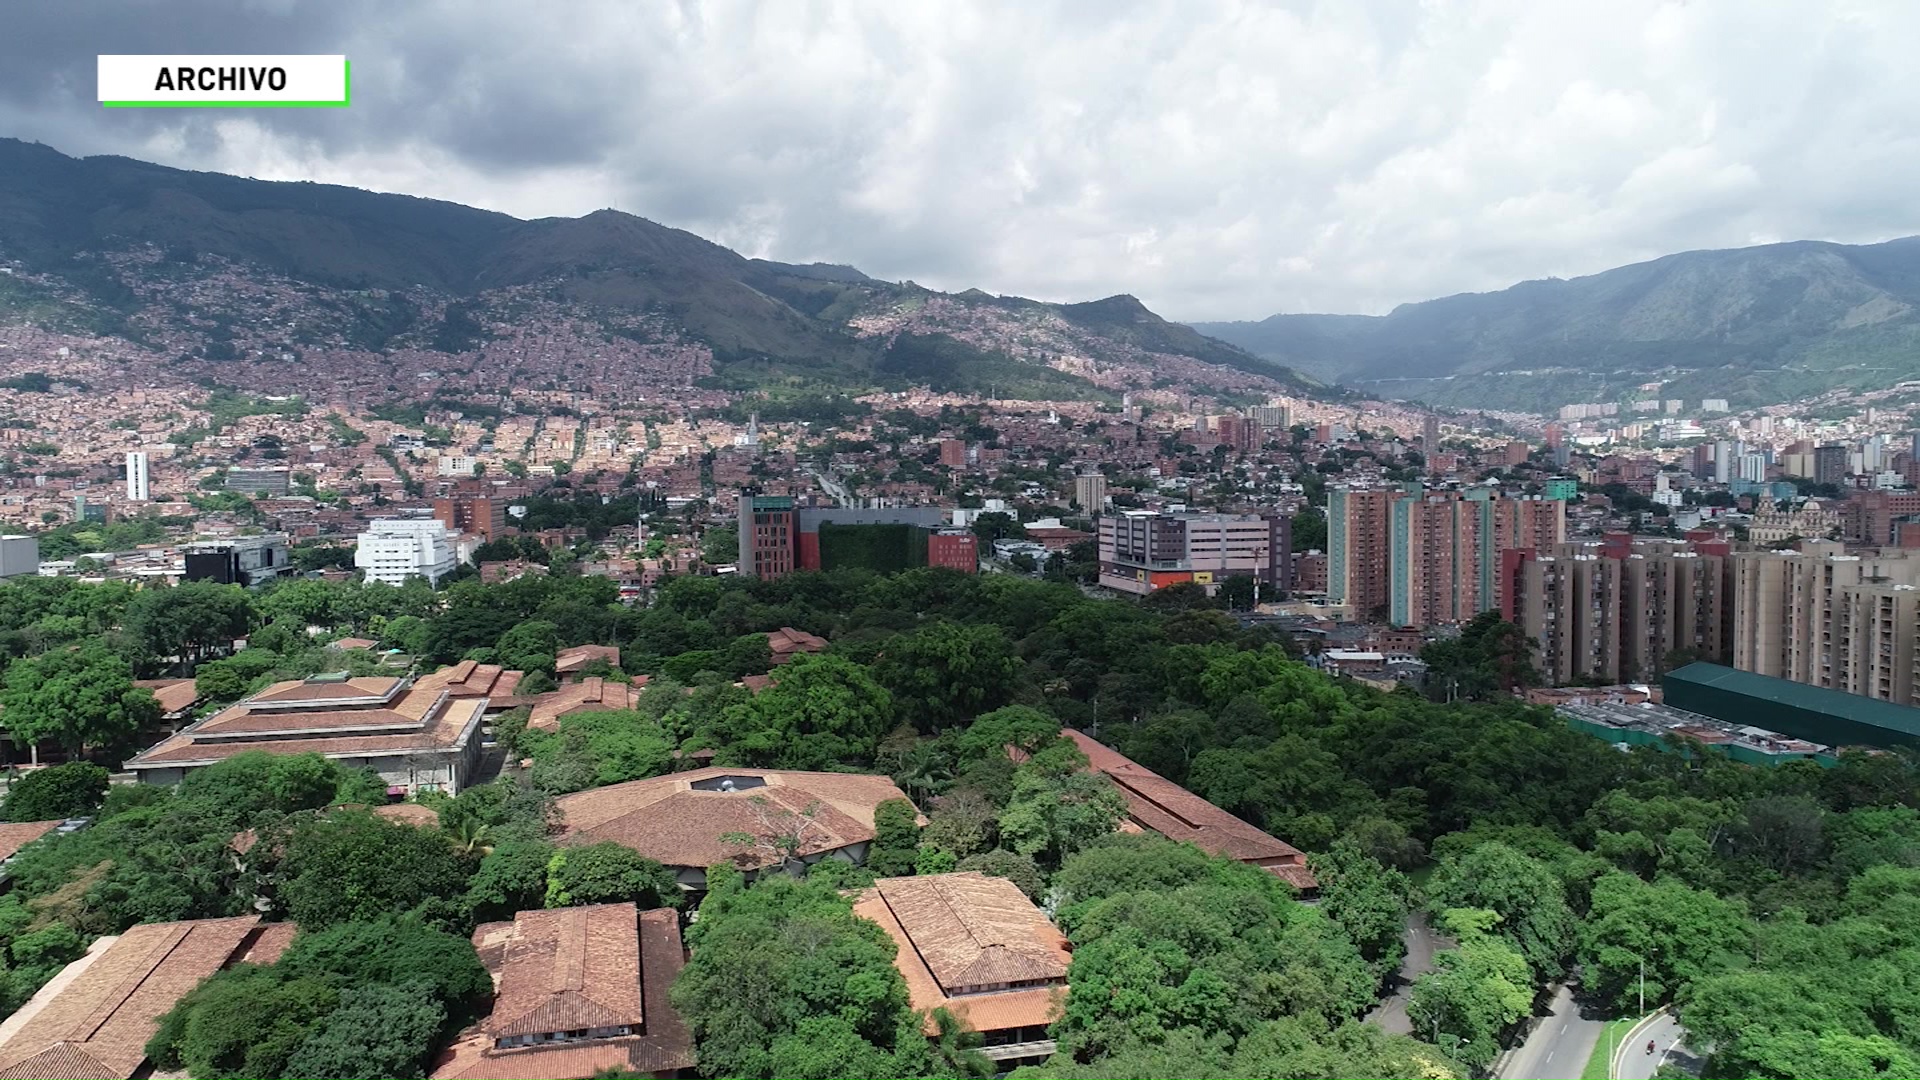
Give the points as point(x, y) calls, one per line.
point(1806, 712)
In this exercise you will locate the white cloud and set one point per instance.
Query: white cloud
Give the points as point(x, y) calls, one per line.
point(1218, 160)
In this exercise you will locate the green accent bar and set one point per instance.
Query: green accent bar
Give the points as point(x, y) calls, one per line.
point(346, 99)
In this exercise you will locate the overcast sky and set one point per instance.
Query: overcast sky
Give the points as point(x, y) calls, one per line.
point(1218, 160)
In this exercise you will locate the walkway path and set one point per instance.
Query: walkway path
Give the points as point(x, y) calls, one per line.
point(1421, 942)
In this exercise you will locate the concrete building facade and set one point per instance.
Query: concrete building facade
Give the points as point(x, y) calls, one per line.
point(1820, 616)
point(1090, 492)
point(139, 482)
point(395, 549)
point(484, 517)
point(1144, 550)
point(1621, 610)
point(1358, 529)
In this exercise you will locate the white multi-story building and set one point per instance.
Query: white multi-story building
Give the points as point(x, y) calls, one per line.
point(138, 488)
point(19, 556)
point(395, 549)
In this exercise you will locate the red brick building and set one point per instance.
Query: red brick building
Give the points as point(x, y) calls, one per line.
point(465, 514)
point(955, 549)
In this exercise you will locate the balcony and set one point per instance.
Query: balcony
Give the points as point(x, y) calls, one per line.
point(1013, 1051)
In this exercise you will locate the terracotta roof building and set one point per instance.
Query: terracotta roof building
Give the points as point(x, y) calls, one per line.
point(590, 694)
point(15, 835)
point(680, 819)
point(419, 734)
point(977, 947)
point(469, 678)
point(788, 643)
point(93, 1019)
point(577, 992)
point(177, 697)
point(568, 663)
point(1159, 804)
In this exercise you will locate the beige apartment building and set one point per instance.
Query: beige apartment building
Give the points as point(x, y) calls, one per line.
point(1618, 614)
point(1826, 618)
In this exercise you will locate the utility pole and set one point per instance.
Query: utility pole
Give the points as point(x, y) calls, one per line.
point(1643, 986)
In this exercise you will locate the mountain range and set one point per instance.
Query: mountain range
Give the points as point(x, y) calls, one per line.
point(127, 250)
point(1755, 325)
point(101, 243)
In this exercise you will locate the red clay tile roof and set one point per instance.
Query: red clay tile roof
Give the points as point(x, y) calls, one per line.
point(569, 968)
point(668, 819)
point(570, 965)
point(1154, 802)
point(570, 660)
point(470, 678)
point(265, 944)
point(16, 835)
point(787, 642)
point(95, 1017)
point(442, 729)
point(172, 694)
point(589, 694)
point(963, 930)
point(296, 690)
point(355, 643)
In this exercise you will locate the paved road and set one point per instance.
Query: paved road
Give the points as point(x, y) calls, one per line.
point(1421, 943)
point(1558, 1046)
point(1667, 1035)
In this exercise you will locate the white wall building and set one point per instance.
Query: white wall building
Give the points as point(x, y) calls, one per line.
point(395, 549)
point(19, 556)
point(138, 486)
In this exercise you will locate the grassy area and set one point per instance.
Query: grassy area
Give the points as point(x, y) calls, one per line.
point(1610, 1037)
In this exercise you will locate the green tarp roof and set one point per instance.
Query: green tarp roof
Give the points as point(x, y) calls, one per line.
point(1817, 699)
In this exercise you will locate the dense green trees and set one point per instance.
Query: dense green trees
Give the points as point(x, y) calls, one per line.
point(591, 749)
point(360, 999)
point(1769, 905)
point(820, 709)
point(74, 699)
point(190, 621)
point(1652, 939)
point(1488, 661)
point(896, 839)
point(355, 866)
point(785, 981)
point(62, 791)
point(1477, 990)
point(1370, 901)
point(1172, 943)
point(947, 673)
point(1527, 899)
point(607, 873)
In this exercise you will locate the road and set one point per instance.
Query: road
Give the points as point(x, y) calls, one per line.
point(1558, 1046)
point(832, 486)
point(1666, 1035)
point(1421, 943)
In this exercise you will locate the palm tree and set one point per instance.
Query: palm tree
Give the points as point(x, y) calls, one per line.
point(469, 836)
point(922, 771)
point(957, 1047)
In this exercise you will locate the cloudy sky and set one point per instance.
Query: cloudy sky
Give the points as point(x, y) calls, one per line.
point(1217, 159)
